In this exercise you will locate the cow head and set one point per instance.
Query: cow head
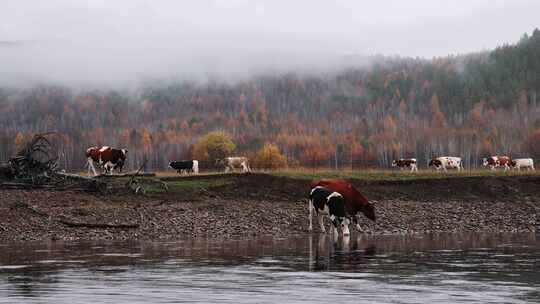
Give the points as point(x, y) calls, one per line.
point(124, 151)
point(512, 163)
point(369, 211)
point(490, 161)
point(394, 163)
point(435, 163)
point(90, 151)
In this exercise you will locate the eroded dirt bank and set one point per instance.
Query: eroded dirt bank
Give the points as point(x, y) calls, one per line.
point(260, 204)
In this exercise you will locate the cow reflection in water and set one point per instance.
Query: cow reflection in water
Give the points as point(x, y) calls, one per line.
point(327, 253)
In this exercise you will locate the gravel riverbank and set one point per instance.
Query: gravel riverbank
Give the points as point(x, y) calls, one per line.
point(259, 204)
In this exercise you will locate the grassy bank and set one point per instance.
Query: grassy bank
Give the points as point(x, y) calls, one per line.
point(393, 175)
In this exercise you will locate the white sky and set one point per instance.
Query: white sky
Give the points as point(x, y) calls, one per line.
point(108, 42)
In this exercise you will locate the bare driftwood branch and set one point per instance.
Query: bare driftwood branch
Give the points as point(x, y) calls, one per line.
point(35, 167)
point(97, 225)
point(125, 175)
point(23, 186)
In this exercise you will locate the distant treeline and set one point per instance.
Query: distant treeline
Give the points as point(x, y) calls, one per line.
point(470, 106)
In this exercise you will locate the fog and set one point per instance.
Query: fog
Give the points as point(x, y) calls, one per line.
point(121, 43)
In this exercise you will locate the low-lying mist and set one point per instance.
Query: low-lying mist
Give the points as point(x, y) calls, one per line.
point(112, 44)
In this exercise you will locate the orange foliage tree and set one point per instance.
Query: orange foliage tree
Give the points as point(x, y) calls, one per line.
point(269, 157)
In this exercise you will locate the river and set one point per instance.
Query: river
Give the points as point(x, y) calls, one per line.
point(444, 268)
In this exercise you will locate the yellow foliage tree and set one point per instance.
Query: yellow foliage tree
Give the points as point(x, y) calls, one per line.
point(20, 141)
point(269, 157)
point(213, 146)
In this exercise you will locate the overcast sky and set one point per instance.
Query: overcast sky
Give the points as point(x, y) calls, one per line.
point(120, 42)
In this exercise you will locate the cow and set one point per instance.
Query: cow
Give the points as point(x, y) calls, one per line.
point(329, 203)
point(232, 163)
point(107, 158)
point(446, 162)
point(185, 166)
point(497, 161)
point(403, 163)
point(355, 202)
point(522, 163)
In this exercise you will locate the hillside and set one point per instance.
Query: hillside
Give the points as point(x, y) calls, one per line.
point(469, 105)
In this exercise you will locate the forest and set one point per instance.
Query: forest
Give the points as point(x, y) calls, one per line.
point(471, 105)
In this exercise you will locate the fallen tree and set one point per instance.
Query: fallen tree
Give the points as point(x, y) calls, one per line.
point(35, 166)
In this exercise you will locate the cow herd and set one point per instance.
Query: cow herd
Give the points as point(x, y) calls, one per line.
point(109, 159)
point(444, 163)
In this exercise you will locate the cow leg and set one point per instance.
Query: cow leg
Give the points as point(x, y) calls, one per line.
point(333, 226)
point(321, 222)
point(91, 166)
point(334, 231)
point(109, 168)
point(357, 220)
point(345, 227)
point(310, 215)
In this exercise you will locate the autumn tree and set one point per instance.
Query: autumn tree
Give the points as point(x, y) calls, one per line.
point(438, 119)
point(214, 145)
point(20, 141)
point(269, 157)
point(532, 144)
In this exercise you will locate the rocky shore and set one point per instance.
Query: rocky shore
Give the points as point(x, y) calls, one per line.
point(260, 204)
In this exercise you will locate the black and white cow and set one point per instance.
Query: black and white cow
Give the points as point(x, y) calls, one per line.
point(403, 163)
point(446, 162)
point(326, 202)
point(185, 166)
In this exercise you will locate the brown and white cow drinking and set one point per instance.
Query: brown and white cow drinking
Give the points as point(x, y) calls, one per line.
point(107, 158)
point(355, 202)
point(497, 161)
point(405, 163)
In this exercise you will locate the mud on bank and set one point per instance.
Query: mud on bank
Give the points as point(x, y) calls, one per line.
point(224, 206)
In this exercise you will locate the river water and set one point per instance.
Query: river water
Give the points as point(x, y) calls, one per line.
point(447, 268)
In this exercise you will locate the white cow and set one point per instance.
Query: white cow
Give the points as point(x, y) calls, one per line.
point(522, 163)
point(232, 163)
point(446, 162)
